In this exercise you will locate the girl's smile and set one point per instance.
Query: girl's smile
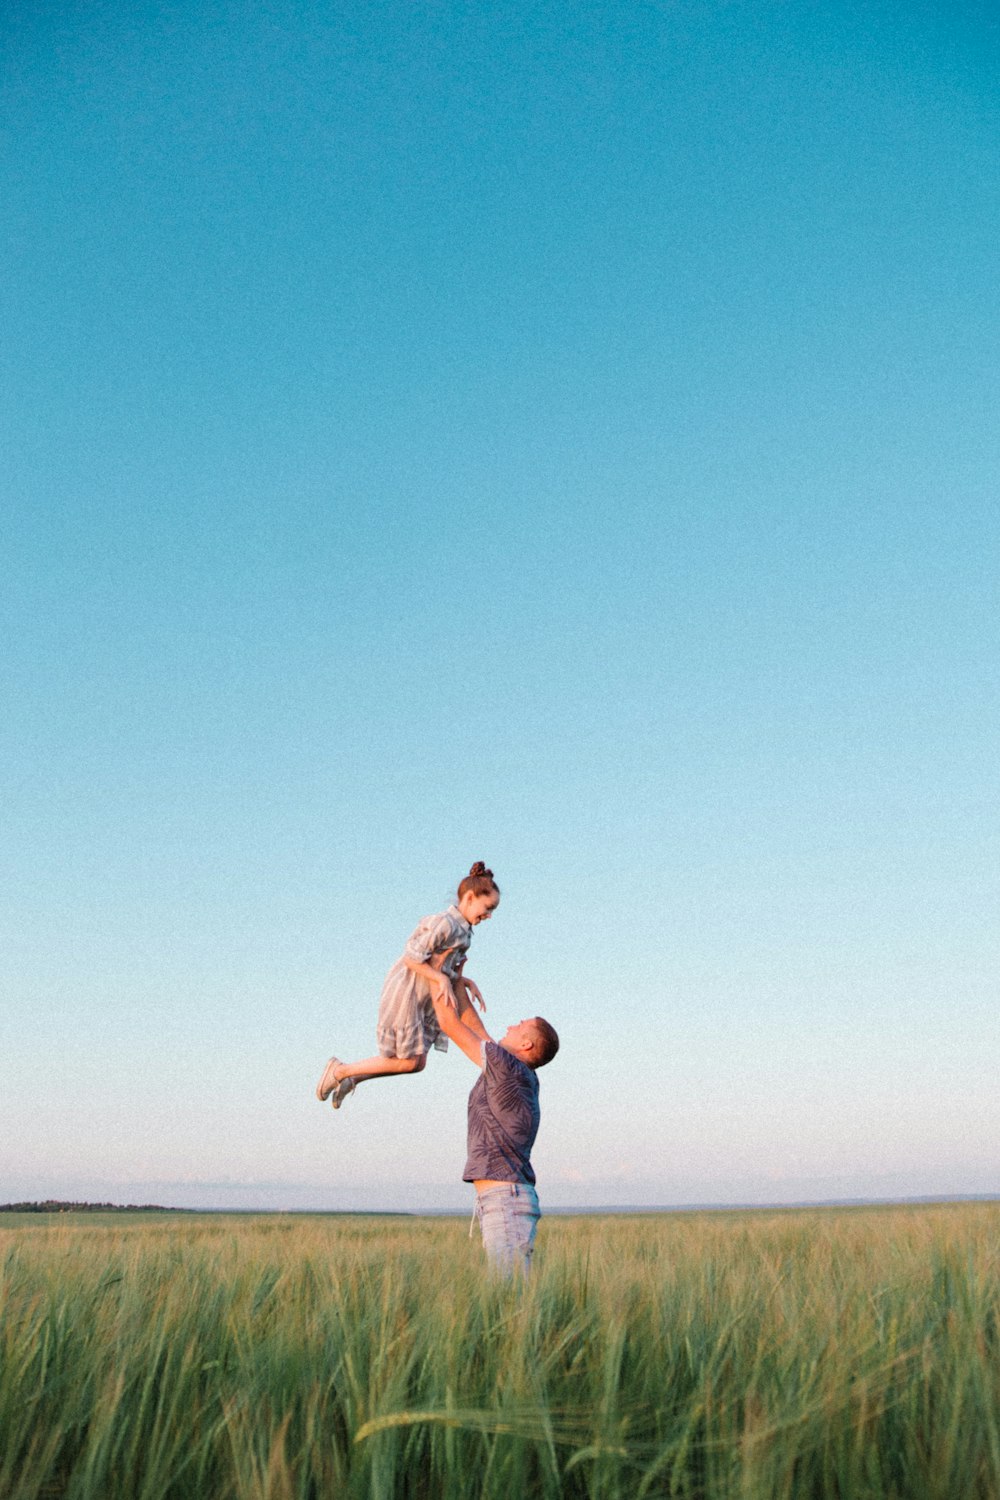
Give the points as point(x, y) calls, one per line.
point(476, 909)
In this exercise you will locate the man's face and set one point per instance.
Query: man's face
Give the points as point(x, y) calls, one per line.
point(520, 1035)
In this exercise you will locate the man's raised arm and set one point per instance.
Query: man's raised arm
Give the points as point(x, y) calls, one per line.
point(456, 1030)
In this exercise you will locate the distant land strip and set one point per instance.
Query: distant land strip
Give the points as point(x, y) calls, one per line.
point(55, 1206)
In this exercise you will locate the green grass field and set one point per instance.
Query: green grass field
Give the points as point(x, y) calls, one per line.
point(849, 1353)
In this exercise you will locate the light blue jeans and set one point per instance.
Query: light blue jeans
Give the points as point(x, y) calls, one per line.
point(508, 1218)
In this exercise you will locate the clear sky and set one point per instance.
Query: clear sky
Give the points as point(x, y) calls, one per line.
point(559, 434)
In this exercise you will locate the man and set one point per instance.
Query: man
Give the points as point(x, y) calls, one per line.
point(503, 1123)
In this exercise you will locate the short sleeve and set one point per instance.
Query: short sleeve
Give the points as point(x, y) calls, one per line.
point(430, 936)
point(500, 1061)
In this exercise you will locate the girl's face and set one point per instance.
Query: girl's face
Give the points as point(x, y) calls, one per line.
point(476, 909)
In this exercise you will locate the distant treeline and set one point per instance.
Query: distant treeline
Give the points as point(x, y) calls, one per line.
point(54, 1206)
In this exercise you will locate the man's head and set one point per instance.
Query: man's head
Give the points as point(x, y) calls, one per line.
point(534, 1041)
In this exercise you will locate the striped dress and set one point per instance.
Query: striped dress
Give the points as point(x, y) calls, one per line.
point(407, 1026)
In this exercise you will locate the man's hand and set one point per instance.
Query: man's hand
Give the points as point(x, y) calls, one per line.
point(441, 985)
point(444, 992)
point(468, 989)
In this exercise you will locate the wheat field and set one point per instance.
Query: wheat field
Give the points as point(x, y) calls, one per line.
point(840, 1352)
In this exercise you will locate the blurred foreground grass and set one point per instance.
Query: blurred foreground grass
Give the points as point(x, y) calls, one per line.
point(842, 1352)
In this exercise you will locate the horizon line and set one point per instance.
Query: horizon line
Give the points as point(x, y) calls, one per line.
point(56, 1205)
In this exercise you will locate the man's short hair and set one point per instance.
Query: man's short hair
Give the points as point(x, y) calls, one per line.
point(548, 1042)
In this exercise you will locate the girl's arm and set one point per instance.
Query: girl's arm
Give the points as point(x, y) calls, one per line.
point(471, 991)
point(466, 989)
point(440, 984)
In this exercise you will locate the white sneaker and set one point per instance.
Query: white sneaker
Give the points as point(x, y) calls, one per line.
point(344, 1087)
point(328, 1082)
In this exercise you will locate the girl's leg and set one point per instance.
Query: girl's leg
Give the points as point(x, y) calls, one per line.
point(381, 1067)
point(369, 1067)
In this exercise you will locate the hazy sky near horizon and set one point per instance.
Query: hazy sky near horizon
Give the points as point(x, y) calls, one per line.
point(563, 435)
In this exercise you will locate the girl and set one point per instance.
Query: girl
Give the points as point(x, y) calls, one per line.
point(431, 965)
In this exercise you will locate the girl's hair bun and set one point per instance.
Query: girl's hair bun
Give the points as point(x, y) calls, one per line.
point(479, 881)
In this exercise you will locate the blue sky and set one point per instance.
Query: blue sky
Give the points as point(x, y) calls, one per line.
point(558, 435)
